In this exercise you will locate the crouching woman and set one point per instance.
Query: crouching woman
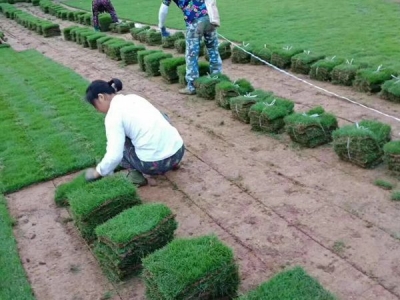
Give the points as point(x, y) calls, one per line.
point(139, 137)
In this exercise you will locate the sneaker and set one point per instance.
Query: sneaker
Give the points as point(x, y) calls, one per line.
point(186, 91)
point(137, 178)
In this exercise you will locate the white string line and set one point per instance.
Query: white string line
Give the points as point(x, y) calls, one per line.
point(309, 83)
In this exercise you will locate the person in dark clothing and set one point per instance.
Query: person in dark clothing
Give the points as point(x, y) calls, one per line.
point(102, 6)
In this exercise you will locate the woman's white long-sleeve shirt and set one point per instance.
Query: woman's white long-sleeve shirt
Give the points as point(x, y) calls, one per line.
point(153, 137)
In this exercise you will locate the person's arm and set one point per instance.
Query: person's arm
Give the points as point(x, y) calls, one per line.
point(162, 16)
point(115, 146)
point(95, 11)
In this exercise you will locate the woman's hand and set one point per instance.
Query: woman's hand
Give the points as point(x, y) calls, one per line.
point(92, 175)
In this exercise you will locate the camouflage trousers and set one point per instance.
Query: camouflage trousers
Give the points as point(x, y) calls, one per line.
point(201, 28)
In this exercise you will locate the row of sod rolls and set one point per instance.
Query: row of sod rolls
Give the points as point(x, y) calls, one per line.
point(43, 27)
point(129, 237)
point(339, 71)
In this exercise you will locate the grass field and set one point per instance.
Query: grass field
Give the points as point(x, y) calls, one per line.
point(13, 282)
point(47, 129)
point(361, 29)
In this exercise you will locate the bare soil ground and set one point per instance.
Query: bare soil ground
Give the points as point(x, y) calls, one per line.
point(275, 204)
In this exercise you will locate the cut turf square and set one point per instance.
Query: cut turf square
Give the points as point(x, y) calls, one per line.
point(194, 268)
point(95, 203)
point(124, 240)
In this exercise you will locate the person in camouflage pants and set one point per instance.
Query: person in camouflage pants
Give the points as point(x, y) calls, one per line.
point(198, 26)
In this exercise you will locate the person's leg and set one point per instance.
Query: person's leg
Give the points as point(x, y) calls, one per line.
point(192, 58)
point(133, 164)
point(111, 10)
point(211, 41)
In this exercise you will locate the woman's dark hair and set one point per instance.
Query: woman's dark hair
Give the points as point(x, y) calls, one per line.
point(102, 87)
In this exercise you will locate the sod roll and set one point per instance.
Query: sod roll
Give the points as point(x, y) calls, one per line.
point(205, 85)
point(282, 57)
point(195, 268)
point(129, 54)
point(391, 90)
point(123, 241)
point(62, 191)
point(301, 62)
point(391, 152)
point(95, 203)
point(344, 74)
point(361, 143)
point(370, 80)
point(169, 68)
point(152, 62)
point(311, 129)
point(180, 45)
point(141, 56)
point(169, 42)
point(322, 69)
point(241, 57)
point(226, 90)
point(204, 69)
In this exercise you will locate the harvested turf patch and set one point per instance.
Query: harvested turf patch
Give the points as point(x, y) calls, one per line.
point(205, 85)
point(240, 107)
point(289, 285)
point(344, 74)
point(395, 196)
point(105, 22)
point(204, 68)
point(135, 31)
point(152, 62)
point(142, 54)
point(114, 49)
point(311, 129)
point(362, 143)
point(101, 41)
point(268, 115)
point(169, 42)
point(226, 90)
point(62, 191)
point(153, 38)
point(129, 54)
point(392, 155)
point(370, 80)
point(92, 39)
point(67, 32)
point(322, 69)
point(123, 241)
point(263, 53)
point(180, 45)
point(391, 90)
point(301, 63)
point(282, 58)
point(197, 268)
point(384, 184)
point(95, 203)
point(168, 68)
point(241, 57)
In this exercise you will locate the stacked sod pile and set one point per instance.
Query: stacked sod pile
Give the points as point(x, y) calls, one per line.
point(240, 56)
point(312, 128)
point(391, 152)
point(205, 85)
point(169, 42)
point(105, 22)
point(114, 49)
point(361, 143)
point(370, 80)
point(152, 62)
point(96, 203)
point(169, 68)
point(180, 45)
point(224, 50)
point(288, 285)
point(141, 56)
point(124, 240)
point(153, 38)
point(391, 90)
point(268, 115)
point(301, 63)
point(241, 105)
point(129, 54)
point(264, 53)
point(322, 69)
point(282, 57)
point(135, 31)
point(197, 268)
point(344, 74)
point(226, 90)
point(93, 38)
point(101, 43)
point(67, 32)
point(63, 190)
point(204, 68)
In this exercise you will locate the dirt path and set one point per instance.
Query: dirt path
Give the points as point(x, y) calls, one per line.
point(275, 204)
